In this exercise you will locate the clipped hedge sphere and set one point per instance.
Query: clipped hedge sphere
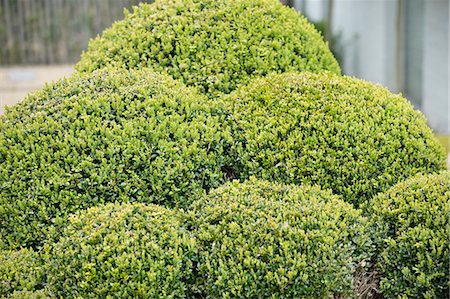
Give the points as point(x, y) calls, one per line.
point(413, 224)
point(41, 294)
point(264, 240)
point(21, 273)
point(122, 251)
point(110, 136)
point(213, 44)
point(341, 133)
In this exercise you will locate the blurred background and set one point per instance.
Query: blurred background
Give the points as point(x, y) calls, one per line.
point(40, 40)
point(401, 44)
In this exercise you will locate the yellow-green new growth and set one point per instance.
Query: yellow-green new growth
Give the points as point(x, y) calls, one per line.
point(214, 44)
point(107, 136)
point(349, 135)
point(411, 222)
point(265, 240)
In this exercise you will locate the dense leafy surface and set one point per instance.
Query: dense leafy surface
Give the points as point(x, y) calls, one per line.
point(213, 44)
point(104, 137)
point(110, 251)
point(412, 221)
point(122, 251)
point(106, 144)
point(20, 271)
point(338, 132)
point(265, 240)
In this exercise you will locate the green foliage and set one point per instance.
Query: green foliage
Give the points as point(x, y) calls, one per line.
point(110, 251)
point(41, 294)
point(20, 271)
point(121, 251)
point(110, 136)
point(412, 224)
point(104, 143)
point(265, 240)
point(213, 44)
point(341, 133)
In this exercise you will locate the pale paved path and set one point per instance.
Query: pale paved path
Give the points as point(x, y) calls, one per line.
point(17, 81)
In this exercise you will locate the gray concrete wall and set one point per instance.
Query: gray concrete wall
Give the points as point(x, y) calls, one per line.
point(435, 101)
point(17, 82)
point(369, 39)
point(373, 49)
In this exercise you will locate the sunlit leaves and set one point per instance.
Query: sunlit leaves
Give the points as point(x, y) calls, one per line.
point(411, 223)
point(126, 136)
point(213, 45)
point(351, 136)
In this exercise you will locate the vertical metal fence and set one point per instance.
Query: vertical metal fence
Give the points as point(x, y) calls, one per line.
point(53, 31)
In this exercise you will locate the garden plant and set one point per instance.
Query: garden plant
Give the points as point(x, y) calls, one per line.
point(110, 136)
point(266, 240)
point(214, 45)
point(342, 133)
point(411, 223)
point(212, 149)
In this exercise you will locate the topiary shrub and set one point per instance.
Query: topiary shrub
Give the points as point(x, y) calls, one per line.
point(265, 240)
point(110, 136)
point(411, 221)
point(30, 295)
point(20, 271)
point(213, 44)
point(121, 251)
point(341, 133)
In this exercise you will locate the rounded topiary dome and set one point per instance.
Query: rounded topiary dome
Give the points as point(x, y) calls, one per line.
point(412, 226)
point(121, 251)
point(213, 44)
point(338, 132)
point(21, 274)
point(110, 136)
point(265, 240)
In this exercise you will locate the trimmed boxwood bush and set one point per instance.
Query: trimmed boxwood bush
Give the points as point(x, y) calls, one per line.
point(29, 295)
point(20, 271)
point(265, 240)
point(104, 137)
point(213, 44)
point(341, 133)
point(122, 251)
point(412, 221)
